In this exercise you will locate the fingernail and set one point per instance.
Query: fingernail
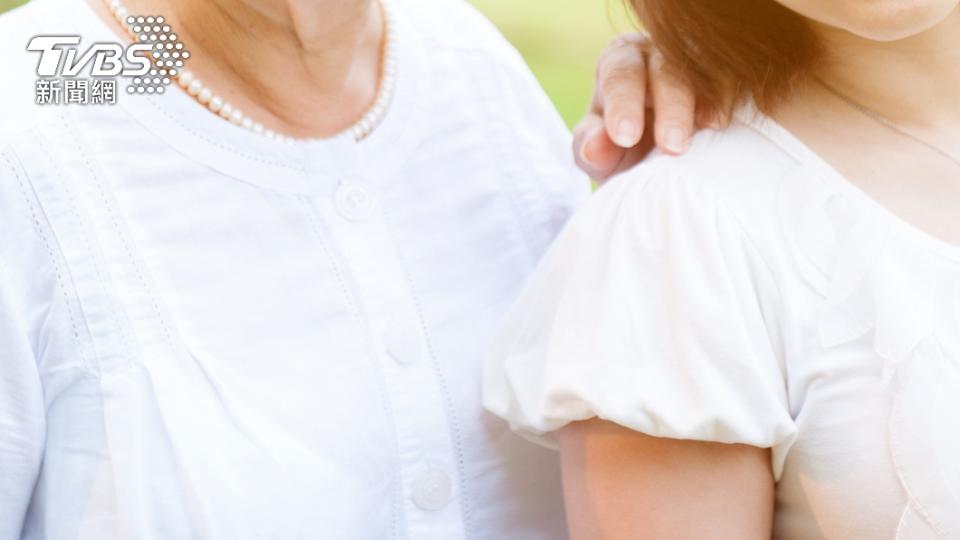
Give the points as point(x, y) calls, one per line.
point(676, 140)
point(585, 148)
point(628, 134)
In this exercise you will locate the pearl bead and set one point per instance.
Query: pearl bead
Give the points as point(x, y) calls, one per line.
point(216, 103)
point(227, 110)
point(258, 128)
point(247, 122)
point(236, 117)
point(205, 96)
point(185, 79)
point(195, 87)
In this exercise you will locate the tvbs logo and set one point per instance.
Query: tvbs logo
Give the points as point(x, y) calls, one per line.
point(60, 57)
point(149, 64)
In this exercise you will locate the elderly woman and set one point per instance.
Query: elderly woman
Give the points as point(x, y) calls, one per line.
point(252, 307)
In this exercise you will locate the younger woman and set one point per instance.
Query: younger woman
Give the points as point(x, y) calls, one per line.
point(763, 337)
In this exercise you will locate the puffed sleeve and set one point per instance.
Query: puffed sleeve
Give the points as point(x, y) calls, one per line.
point(652, 310)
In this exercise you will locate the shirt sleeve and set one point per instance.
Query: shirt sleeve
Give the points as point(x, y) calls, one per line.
point(21, 417)
point(22, 410)
point(654, 311)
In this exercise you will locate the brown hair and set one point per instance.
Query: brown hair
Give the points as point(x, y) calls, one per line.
point(729, 50)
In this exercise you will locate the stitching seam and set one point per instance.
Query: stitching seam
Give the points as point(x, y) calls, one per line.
point(114, 220)
point(58, 270)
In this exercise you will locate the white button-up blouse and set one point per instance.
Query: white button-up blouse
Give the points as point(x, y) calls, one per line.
point(205, 333)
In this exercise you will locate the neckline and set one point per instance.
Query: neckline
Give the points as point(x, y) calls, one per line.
point(752, 117)
point(307, 167)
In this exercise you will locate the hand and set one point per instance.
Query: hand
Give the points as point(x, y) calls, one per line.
point(619, 131)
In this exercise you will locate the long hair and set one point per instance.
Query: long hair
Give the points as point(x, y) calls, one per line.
point(730, 50)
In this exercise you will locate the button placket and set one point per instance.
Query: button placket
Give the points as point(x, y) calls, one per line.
point(427, 456)
point(401, 345)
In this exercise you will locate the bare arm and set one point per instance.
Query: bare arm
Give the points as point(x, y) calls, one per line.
point(620, 484)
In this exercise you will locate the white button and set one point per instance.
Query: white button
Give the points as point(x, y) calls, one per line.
point(431, 490)
point(354, 201)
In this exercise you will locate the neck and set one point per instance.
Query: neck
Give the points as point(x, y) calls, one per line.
point(306, 68)
point(912, 81)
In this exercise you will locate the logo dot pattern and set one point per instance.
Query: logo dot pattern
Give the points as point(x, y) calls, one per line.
point(166, 54)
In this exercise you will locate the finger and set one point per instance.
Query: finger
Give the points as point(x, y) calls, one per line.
point(628, 41)
point(632, 156)
point(594, 152)
point(622, 89)
point(674, 105)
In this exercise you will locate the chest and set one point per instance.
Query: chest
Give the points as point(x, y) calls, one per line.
point(236, 340)
point(873, 395)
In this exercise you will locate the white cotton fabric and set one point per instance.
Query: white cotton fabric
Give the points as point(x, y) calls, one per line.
point(746, 293)
point(208, 334)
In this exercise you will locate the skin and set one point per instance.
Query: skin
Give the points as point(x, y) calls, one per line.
point(912, 81)
point(304, 68)
point(900, 58)
point(623, 484)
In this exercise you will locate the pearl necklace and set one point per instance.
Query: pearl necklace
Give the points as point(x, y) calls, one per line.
point(217, 105)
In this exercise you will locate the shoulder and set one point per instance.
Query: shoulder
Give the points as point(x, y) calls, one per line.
point(457, 35)
point(739, 164)
point(19, 69)
point(456, 24)
point(738, 171)
point(460, 39)
point(466, 55)
point(479, 79)
point(17, 26)
point(469, 59)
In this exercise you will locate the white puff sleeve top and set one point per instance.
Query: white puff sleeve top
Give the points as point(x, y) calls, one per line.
point(746, 293)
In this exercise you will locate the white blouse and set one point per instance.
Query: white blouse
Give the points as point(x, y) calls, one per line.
point(208, 334)
point(747, 293)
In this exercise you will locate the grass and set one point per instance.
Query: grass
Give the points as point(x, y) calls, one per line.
point(560, 40)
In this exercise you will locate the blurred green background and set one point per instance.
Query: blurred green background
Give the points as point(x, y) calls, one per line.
point(560, 39)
